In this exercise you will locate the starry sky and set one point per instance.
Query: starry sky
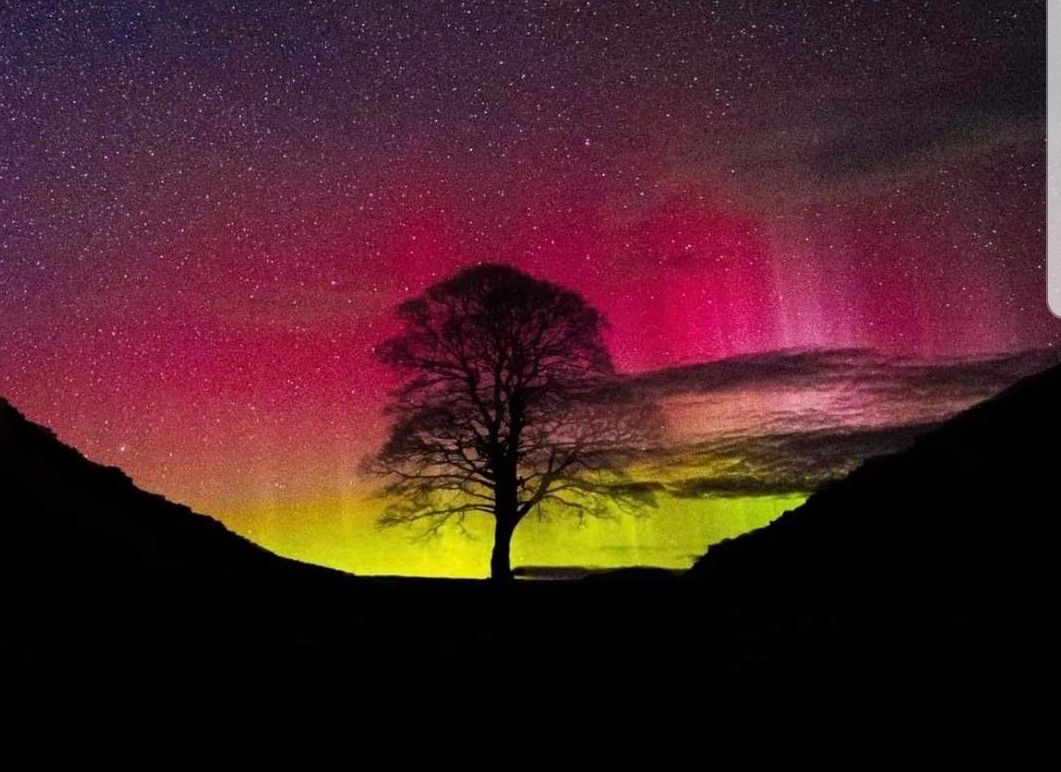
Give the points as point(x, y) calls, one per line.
point(209, 210)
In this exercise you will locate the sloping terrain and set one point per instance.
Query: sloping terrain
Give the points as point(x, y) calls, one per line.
point(932, 560)
point(93, 565)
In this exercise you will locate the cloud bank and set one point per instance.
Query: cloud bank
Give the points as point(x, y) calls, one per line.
point(785, 422)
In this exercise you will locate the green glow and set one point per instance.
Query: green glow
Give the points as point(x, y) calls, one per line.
point(342, 533)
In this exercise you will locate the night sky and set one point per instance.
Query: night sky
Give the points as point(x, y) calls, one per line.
point(209, 210)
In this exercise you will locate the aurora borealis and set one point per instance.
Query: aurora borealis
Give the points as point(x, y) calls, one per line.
point(208, 211)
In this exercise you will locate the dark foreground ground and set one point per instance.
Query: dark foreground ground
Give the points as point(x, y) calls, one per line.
point(102, 579)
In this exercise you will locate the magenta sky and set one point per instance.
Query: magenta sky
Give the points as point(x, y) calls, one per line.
point(206, 215)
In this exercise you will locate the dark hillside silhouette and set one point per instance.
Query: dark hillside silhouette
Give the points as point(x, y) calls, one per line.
point(92, 561)
point(933, 560)
point(93, 517)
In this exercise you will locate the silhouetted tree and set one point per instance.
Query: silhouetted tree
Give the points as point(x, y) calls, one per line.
point(509, 404)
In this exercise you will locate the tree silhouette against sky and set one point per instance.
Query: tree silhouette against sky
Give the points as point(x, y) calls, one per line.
point(509, 404)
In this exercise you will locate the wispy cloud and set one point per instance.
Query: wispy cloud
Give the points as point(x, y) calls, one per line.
point(979, 376)
point(778, 464)
point(785, 422)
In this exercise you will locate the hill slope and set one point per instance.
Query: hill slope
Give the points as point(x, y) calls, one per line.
point(90, 559)
point(80, 514)
point(933, 560)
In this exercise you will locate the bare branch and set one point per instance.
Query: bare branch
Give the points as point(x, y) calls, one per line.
point(509, 403)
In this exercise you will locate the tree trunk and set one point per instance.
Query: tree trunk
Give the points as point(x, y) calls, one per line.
point(500, 561)
point(506, 518)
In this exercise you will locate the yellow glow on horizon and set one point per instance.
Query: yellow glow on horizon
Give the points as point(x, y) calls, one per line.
point(342, 533)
